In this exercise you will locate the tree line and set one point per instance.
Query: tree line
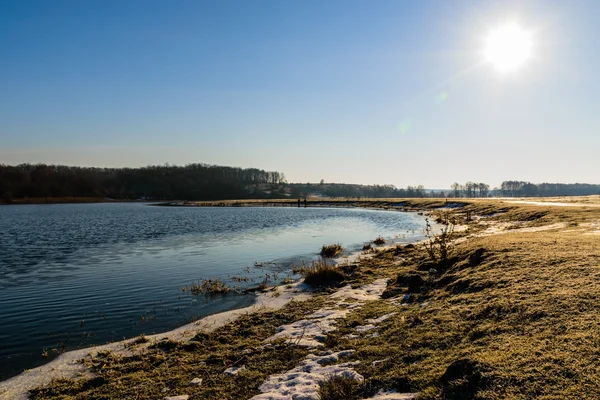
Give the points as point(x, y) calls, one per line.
point(469, 189)
point(213, 182)
point(523, 189)
point(155, 182)
point(297, 190)
point(528, 189)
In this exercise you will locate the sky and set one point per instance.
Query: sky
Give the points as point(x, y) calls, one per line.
point(372, 92)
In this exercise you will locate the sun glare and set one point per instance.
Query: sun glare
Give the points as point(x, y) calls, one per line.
point(508, 47)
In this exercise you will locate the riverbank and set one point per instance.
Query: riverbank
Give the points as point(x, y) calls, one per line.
point(511, 316)
point(379, 203)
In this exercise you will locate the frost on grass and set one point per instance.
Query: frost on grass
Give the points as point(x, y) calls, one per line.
point(302, 382)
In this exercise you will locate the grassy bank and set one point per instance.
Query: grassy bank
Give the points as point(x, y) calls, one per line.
point(512, 314)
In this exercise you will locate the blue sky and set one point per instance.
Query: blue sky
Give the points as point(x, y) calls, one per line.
point(347, 91)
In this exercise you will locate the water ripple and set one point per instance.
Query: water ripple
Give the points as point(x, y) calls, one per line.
point(75, 275)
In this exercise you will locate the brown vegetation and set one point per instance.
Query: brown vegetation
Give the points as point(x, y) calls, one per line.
point(331, 250)
point(319, 273)
point(379, 241)
point(208, 286)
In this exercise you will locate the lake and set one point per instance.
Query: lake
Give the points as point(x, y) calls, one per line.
point(73, 275)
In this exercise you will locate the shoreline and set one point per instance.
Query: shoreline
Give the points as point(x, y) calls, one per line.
point(67, 365)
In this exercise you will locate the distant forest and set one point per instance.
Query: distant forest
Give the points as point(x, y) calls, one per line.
point(528, 189)
point(166, 182)
point(352, 190)
point(212, 182)
point(522, 189)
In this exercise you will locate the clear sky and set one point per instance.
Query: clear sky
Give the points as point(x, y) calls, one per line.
point(395, 92)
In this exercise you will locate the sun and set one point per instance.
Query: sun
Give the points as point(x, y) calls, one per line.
point(508, 47)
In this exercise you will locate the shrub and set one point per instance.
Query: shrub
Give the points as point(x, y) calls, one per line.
point(379, 241)
point(332, 250)
point(439, 247)
point(319, 273)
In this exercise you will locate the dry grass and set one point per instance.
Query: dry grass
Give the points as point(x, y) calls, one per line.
point(379, 241)
point(338, 387)
point(321, 274)
point(331, 250)
point(514, 317)
point(208, 287)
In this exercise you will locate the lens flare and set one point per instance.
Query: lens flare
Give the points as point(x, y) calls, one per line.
point(441, 97)
point(405, 125)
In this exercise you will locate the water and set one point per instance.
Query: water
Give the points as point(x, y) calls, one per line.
point(76, 275)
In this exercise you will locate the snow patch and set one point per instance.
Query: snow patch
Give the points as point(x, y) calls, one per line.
point(302, 382)
point(381, 319)
point(310, 332)
point(368, 292)
point(234, 370)
point(365, 328)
